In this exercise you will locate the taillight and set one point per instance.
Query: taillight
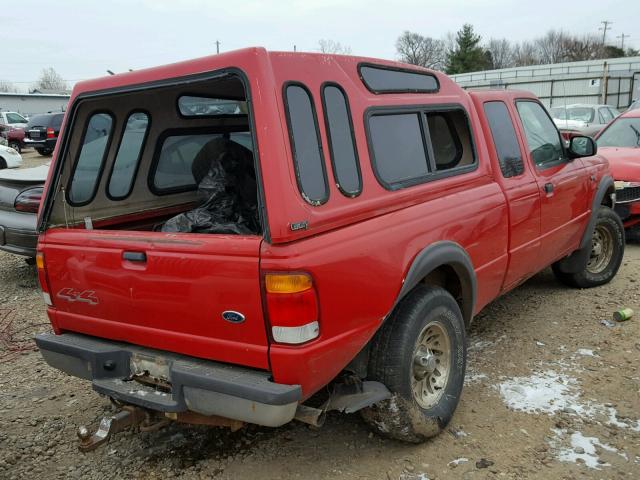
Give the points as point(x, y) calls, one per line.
point(50, 133)
point(292, 307)
point(42, 278)
point(28, 200)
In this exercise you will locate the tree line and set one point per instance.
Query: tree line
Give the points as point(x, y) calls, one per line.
point(465, 51)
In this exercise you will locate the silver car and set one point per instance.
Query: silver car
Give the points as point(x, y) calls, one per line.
point(583, 118)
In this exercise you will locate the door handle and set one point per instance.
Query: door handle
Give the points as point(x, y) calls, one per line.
point(548, 188)
point(134, 256)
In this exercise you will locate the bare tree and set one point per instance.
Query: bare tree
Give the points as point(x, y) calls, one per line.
point(551, 47)
point(587, 47)
point(7, 87)
point(331, 46)
point(423, 51)
point(50, 80)
point(502, 53)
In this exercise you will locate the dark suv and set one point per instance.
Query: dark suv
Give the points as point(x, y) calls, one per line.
point(42, 132)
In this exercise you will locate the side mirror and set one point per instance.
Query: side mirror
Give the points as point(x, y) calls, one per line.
point(580, 146)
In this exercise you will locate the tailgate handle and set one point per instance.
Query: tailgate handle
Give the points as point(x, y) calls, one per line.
point(135, 256)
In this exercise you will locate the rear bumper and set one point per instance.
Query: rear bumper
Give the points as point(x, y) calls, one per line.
point(42, 143)
point(201, 386)
point(18, 233)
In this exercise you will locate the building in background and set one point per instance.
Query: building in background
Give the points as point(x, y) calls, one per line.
point(614, 81)
point(33, 103)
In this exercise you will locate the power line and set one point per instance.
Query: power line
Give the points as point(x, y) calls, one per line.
point(622, 37)
point(604, 28)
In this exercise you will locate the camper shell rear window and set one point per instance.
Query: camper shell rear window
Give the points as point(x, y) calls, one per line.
point(172, 157)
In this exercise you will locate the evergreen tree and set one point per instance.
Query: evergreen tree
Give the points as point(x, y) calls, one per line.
point(467, 55)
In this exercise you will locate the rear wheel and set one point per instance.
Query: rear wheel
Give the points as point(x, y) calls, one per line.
point(607, 250)
point(45, 152)
point(15, 146)
point(420, 355)
point(3, 163)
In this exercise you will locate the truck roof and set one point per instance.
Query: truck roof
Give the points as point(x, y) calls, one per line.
point(236, 57)
point(501, 94)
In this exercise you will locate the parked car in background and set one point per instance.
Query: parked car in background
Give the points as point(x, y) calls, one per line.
point(42, 132)
point(14, 136)
point(583, 119)
point(227, 261)
point(620, 144)
point(13, 119)
point(20, 193)
point(9, 157)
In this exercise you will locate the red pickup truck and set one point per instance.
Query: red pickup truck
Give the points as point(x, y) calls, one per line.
point(221, 239)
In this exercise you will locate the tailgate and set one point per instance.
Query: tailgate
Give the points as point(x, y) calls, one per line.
point(193, 294)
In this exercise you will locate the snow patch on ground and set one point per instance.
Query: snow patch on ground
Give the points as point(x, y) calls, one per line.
point(546, 392)
point(457, 461)
point(581, 448)
point(585, 352)
point(550, 392)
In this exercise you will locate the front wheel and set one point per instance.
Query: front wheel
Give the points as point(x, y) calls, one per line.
point(607, 250)
point(420, 355)
point(15, 146)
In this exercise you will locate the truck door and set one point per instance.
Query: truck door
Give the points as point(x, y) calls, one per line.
point(521, 189)
point(562, 182)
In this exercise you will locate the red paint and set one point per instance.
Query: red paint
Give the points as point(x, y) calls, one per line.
point(357, 250)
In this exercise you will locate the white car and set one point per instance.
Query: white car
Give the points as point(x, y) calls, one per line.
point(583, 118)
point(9, 158)
point(13, 119)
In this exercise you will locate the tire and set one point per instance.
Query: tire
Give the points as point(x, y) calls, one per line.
point(3, 163)
point(430, 314)
point(15, 146)
point(45, 152)
point(607, 250)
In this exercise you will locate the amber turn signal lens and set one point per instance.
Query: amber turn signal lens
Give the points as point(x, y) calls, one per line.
point(40, 260)
point(287, 283)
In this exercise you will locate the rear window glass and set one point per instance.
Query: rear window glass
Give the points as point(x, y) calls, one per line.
point(399, 153)
point(388, 80)
point(305, 143)
point(39, 121)
point(56, 121)
point(344, 156)
point(173, 171)
point(128, 156)
point(192, 106)
point(89, 163)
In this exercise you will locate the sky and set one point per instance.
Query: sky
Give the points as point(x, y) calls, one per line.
point(83, 38)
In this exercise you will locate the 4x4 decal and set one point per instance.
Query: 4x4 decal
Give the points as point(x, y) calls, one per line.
point(71, 295)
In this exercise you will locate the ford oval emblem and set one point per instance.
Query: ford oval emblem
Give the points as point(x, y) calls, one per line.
point(232, 316)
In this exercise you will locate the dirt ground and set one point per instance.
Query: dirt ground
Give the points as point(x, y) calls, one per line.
point(551, 393)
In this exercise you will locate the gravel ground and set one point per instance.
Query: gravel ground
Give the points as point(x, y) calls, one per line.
point(551, 393)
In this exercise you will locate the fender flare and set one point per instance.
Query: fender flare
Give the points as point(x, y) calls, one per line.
point(437, 255)
point(577, 261)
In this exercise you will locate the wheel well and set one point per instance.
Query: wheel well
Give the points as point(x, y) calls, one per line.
point(446, 277)
point(3, 163)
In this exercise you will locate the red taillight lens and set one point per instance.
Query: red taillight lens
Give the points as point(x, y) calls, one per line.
point(29, 200)
point(51, 133)
point(292, 307)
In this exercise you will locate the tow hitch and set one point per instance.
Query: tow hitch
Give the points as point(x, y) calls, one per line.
point(146, 421)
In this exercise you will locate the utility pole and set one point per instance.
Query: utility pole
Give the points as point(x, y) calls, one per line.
point(217, 46)
point(622, 37)
point(604, 28)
